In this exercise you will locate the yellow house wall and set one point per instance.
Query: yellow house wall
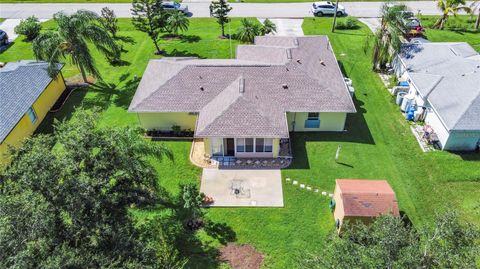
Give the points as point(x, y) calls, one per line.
point(276, 147)
point(165, 120)
point(25, 127)
point(206, 144)
point(329, 121)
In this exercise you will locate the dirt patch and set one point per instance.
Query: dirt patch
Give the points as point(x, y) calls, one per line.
point(241, 256)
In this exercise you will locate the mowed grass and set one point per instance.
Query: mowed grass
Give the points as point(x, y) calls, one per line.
point(377, 145)
point(65, 1)
point(457, 29)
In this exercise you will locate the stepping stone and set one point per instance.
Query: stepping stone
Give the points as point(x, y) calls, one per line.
point(309, 188)
point(302, 186)
point(330, 194)
point(316, 190)
point(288, 179)
point(324, 193)
point(295, 182)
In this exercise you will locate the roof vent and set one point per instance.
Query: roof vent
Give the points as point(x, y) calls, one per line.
point(289, 54)
point(202, 88)
point(299, 61)
point(295, 41)
point(241, 85)
point(285, 86)
point(322, 62)
point(200, 77)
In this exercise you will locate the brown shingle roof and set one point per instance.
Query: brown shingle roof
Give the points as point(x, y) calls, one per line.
point(306, 65)
point(367, 198)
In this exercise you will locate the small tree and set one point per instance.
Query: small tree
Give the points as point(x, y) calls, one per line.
point(177, 22)
point(268, 27)
point(109, 21)
point(220, 10)
point(449, 7)
point(192, 199)
point(148, 16)
point(30, 28)
point(249, 30)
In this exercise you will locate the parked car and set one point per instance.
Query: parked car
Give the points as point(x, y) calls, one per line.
point(327, 8)
point(3, 38)
point(414, 27)
point(171, 6)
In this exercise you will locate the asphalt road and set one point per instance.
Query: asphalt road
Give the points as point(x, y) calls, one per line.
point(200, 9)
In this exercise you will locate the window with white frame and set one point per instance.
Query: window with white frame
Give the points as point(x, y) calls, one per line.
point(240, 144)
point(259, 145)
point(32, 115)
point(268, 144)
point(248, 144)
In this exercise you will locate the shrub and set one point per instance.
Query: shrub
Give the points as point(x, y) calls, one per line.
point(348, 24)
point(30, 28)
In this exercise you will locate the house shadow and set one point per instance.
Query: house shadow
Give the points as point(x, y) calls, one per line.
point(468, 155)
point(356, 131)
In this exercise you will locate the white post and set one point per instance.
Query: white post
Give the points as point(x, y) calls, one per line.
point(337, 155)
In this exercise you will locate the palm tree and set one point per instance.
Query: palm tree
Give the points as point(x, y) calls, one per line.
point(449, 7)
point(388, 37)
point(268, 27)
point(177, 22)
point(475, 6)
point(70, 40)
point(248, 31)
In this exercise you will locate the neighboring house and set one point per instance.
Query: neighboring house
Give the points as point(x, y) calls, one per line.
point(27, 93)
point(363, 200)
point(242, 107)
point(444, 81)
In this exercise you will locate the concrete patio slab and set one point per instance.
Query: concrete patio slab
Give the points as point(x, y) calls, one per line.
point(256, 188)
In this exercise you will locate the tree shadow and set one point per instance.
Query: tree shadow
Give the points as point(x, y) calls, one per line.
point(190, 38)
point(468, 155)
point(221, 231)
point(356, 131)
point(182, 53)
point(65, 113)
point(106, 92)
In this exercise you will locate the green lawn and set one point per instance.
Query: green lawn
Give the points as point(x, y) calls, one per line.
point(378, 145)
point(457, 29)
point(2, 19)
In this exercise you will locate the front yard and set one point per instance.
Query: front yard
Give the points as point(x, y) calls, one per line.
point(378, 145)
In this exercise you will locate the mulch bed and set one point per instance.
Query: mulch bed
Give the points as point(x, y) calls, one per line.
point(241, 256)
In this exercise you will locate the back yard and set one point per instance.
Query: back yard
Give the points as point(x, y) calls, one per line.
point(378, 145)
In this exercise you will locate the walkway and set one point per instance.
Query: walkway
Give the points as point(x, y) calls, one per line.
point(243, 188)
point(201, 9)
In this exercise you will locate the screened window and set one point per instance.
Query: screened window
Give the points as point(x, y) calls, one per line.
point(313, 115)
point(32, 115)
point(248, 144)
point(240, 145)
point(268, 144)
point(259, 145)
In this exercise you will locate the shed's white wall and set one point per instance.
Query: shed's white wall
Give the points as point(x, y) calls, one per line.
point(329, 121)
point(437, 126)
point(165, 120)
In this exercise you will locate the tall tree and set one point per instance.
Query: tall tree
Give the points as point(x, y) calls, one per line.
point(449, 7)
point(387, 41)
point(177, 22)
point(109, 21)
point(219, 10)
point(66, 196)
point(475, 7)
point(389, 243)
point(70, 40)
point(149, 16)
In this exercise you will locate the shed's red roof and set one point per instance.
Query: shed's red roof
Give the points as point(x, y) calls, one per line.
point(367, 198)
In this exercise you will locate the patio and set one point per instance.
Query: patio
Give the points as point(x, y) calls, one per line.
point(243, 188)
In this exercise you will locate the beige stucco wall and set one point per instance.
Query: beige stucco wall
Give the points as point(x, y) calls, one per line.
point(274, 153)
point(165, 120)
point(329, 121)
point(339, 212)
point(276, 147)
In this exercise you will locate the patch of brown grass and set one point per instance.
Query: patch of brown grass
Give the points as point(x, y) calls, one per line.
point(241, 256)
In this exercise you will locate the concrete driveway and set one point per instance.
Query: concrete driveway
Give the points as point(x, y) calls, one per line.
point(287, 27)
point(243, 188)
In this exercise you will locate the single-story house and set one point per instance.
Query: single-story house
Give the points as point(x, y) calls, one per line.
point(243, 107)
point(363, 200)
point(444, 88)
point(27, 93)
